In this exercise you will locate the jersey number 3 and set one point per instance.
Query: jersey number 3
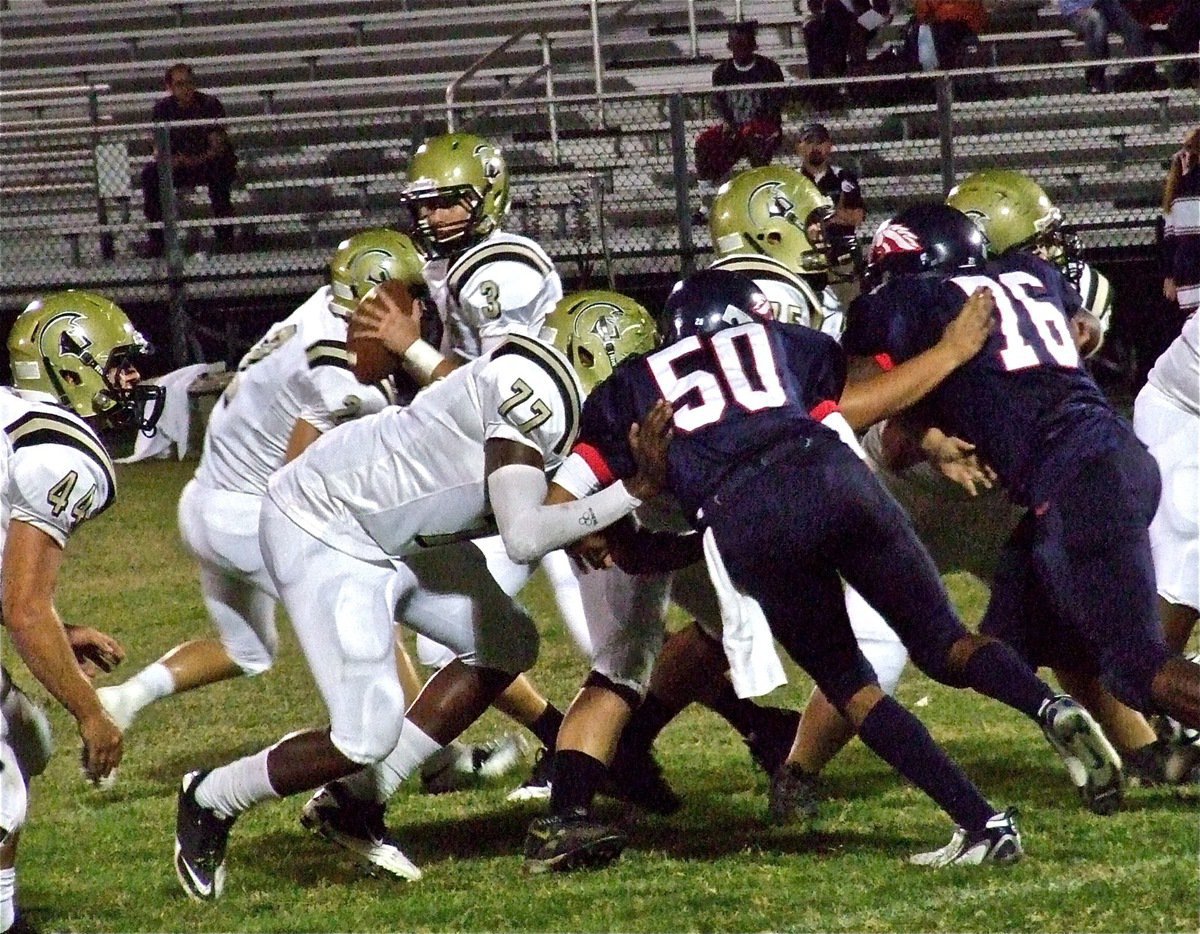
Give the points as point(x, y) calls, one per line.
point(749, 379)
point(1034, 330)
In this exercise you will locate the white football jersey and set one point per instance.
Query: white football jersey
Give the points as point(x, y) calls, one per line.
point(406, 478)
point(54, 470)
point(299, 369)
point(1176, 374)
point(792, 298)
point(504, 284)
point(1096, 293)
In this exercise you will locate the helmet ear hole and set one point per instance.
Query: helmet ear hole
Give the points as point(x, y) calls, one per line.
point(586, 357)
point(69, 376)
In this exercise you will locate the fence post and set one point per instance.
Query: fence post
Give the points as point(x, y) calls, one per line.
point(172, 249)
point(107, 247)
point(679, 161)
point(945, 111)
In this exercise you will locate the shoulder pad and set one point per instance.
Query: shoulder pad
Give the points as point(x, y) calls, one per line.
point(559, 371)
point(41, 426)
point(328, 353)
point(503, 251)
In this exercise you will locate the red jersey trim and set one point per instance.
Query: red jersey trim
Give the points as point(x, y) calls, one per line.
point(824, 409)
point(595, 460)
point(885, 361)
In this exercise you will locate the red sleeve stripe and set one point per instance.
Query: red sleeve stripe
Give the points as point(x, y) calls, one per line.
point(595, 460)
point(824, 409)
point(885, 361)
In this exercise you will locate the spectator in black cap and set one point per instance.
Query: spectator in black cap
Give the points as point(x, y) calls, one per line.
point(751, 120)
point(814, 146)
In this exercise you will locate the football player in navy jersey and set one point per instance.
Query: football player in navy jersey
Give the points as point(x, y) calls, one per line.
point(756, 412)
point(1075, 583)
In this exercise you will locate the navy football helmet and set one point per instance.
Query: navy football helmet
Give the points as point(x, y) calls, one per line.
point(709, 301)
point(926, 239)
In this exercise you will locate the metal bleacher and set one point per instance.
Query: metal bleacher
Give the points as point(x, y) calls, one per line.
point(327, 99)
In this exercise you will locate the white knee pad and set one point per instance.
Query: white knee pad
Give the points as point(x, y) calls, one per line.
point(429, 653)
point(13, 797)
point(626, 618)
point(879, 643)
point(25, 730)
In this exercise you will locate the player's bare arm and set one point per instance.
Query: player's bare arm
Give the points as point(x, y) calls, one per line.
point(303, 434)
point(872, 394)
point(31, 562)
point(1087, 331)
point(389, 314)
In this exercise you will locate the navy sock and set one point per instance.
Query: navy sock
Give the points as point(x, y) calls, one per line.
point(901, 740)
point(996, 671)
point(646, 723)
point(545, 727)
point(741, 713)
point(577, 776)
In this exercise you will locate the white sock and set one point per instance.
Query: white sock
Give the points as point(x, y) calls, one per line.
point(8, 897)
point(379, 782)
point(148, 685)
point(237, 786)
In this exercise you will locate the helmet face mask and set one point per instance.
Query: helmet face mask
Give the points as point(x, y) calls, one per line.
point(711, 300)
point(80, 349)
point(456, 170)
point(925, 239)
point(596, 330)
point(774, 211)
point(369, 258)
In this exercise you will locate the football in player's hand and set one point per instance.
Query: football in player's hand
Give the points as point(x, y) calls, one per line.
point(370, 360)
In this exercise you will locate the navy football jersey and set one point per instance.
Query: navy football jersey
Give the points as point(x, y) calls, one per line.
point(1025, 400)
point(736, 393)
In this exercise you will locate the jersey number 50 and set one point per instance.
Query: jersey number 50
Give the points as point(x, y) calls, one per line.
point(752, 391)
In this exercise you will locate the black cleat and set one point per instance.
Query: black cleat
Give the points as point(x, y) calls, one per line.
point(537, 786)
point(772, 737)
point(561, 844)
point(794, 798)
point(637, 778)
point(1091, 761)
point(998, 842)
point(201, 836)
point(357, 827)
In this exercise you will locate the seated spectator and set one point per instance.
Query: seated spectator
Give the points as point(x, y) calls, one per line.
point(1181, 36)
point(1092, 21)
point(200, 155)
point(944, 29)
point(837, 33)
point(751, 120)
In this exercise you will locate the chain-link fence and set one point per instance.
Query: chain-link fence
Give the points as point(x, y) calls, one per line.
point(608, 187)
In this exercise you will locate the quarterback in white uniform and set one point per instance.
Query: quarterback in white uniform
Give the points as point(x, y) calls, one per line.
point(298, 371)
point(334, 526)
point(72, 355)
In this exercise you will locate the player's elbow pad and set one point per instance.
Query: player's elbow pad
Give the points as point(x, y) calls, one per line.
point(530, 529)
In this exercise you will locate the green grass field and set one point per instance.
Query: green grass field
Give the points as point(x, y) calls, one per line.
point(96, 861)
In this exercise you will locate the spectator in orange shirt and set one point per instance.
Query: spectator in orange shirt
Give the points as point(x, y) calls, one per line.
point(944, 29)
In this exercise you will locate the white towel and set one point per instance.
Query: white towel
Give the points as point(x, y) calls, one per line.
point(176, 417)
point(754, 666)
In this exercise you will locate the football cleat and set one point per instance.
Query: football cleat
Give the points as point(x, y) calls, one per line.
point(794, 798)
point(998, 842)
point(560, 844)
point(537, 786)
point(637, 778)
point(459, 767)
point(771, 739)
point(357, 827)
point(201, 836)
point(1091, 761)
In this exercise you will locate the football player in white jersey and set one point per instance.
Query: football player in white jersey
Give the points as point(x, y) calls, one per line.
point(1166, 417)
point(486, 283)
point(73, 358)
point(336, 526)
point(297, 372)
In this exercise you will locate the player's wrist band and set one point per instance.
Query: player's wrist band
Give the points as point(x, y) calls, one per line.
point(420, 360)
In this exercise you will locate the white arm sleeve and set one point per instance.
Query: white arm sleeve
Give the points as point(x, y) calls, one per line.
point(530, 530)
